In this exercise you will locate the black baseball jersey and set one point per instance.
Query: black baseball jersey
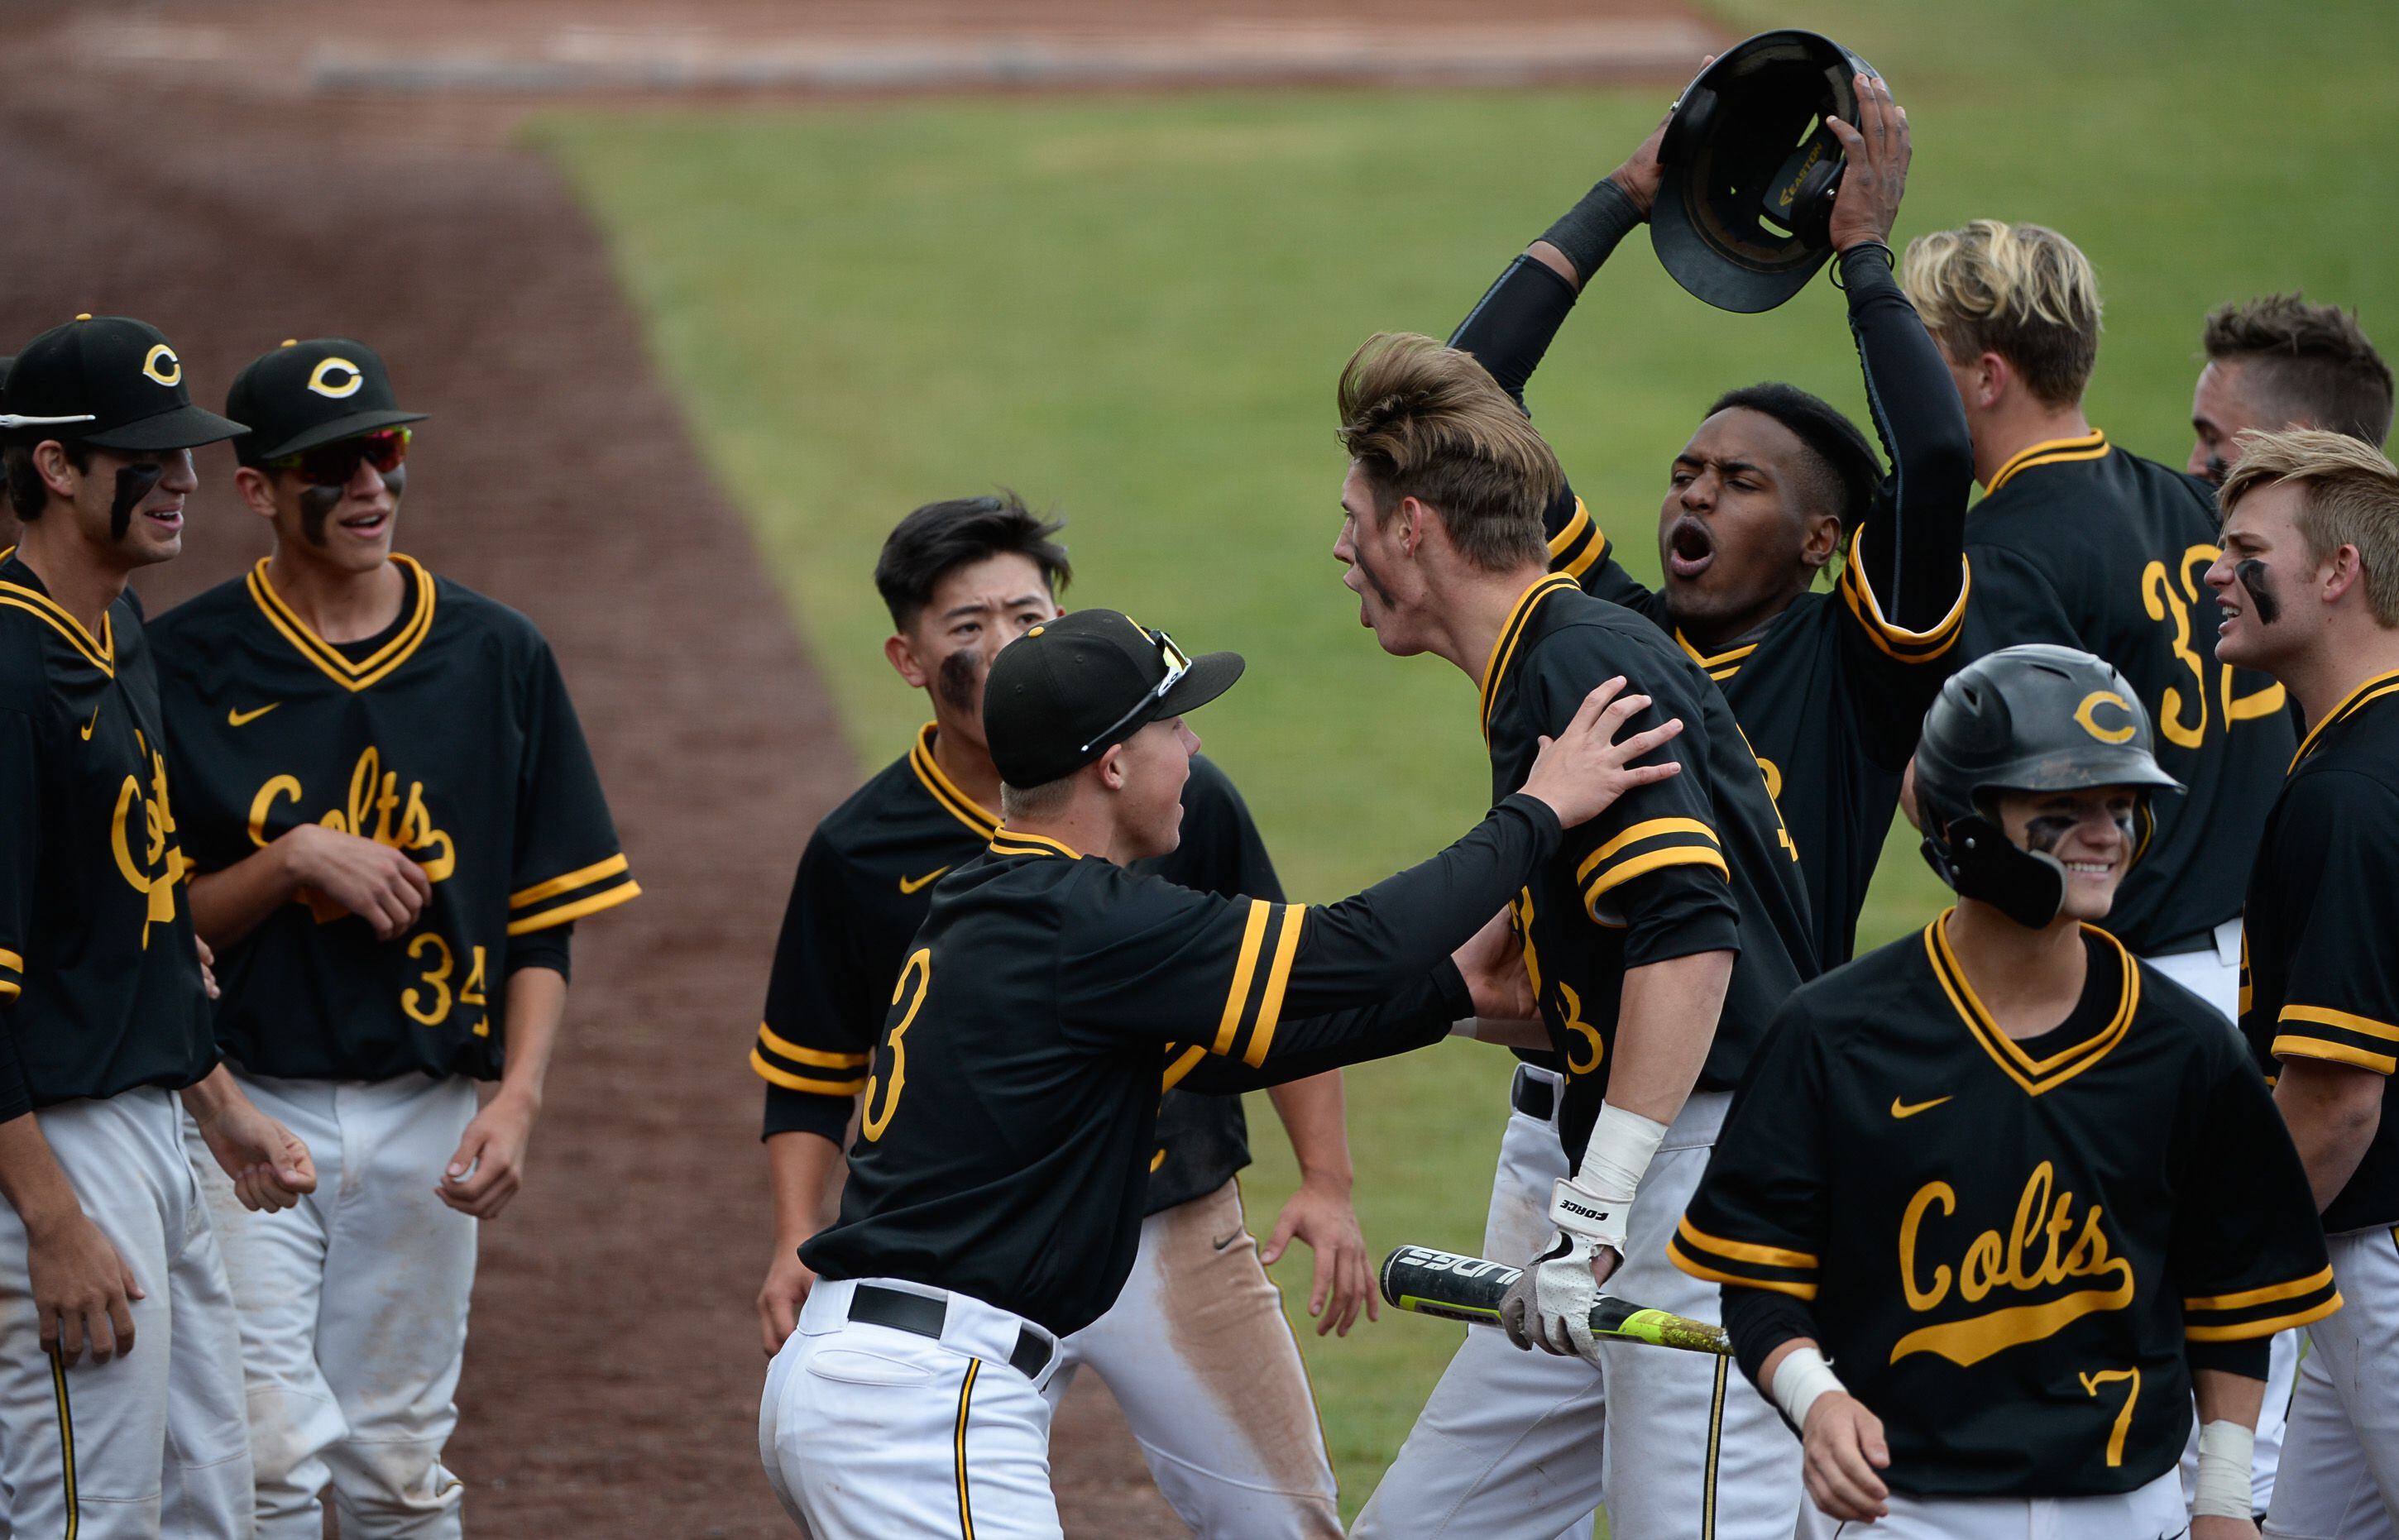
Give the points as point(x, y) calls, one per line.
point(864, 884)
point(2011, 1250)
point(1010, 1105)
point(100, 979)
point(2080, 543)
point(449, 737)
point(2320, 966)
point(1832, 693)
point(1697, 863)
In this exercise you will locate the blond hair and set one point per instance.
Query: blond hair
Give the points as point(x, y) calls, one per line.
point(1425, 420)
point(2019, 290)
point(2351, 497)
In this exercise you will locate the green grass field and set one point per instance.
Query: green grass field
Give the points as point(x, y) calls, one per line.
point(1135, 309)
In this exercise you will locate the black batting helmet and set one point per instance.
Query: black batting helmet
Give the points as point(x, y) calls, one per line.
point(2032, 718)
point(1743, 218)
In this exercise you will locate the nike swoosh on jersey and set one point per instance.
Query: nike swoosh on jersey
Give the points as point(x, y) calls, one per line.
point(88, 726)
point(908, 887)
point(243, 719)
point(1901, 1109)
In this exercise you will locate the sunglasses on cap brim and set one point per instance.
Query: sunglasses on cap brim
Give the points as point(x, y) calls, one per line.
point(1178, 663)
point(332, 464)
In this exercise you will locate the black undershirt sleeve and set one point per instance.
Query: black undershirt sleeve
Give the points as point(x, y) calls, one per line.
point(552, 949)
point(1760, 1321)
point(1914, 557)
point(1511, 326)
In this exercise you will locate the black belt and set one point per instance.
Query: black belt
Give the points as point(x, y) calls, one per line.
point(925, 1317)
point(1535, 1099)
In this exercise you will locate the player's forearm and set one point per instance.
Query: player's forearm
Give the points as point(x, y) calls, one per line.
point(1312, 1114)
point(208, 1098)
point(230, 903)
point(2333, 1111)
point(1360, 952)
point(1663, 1032)
point(801, 1166)
point(1914, 565)
point(537, 1005)
point(31, 1177)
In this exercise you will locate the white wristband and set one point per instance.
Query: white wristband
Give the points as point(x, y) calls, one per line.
point(1617, 1154)
point(2225, 1451)
point(1799, 1379)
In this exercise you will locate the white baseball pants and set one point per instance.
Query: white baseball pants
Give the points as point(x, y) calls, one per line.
point(2340, 1464)
point(1199, 1354)
point(872, 1433)
point(152, 1443)
point(2153, 1512)
point(2214, 974)
point(353, 1308)
point(1682, 1446)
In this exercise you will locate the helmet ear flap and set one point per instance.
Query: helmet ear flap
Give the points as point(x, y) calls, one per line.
point(1811, 207)
point(1977, 859)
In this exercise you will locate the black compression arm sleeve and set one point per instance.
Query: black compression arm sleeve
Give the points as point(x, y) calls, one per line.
point(1918, 525)
point(1512, 325)
point(1760, 1321)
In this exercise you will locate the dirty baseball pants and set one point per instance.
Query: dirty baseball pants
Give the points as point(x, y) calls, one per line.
point(873, 1432)
point(1525, 1443)
point(2154, 1511)
point(1199, 1354)
point(152, 1443)
point(353, 1308)
point(2340, 1460)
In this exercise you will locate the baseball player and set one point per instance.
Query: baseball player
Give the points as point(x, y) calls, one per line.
point(106, 1245)
point(1222, 1407)
point(1996, 1198)
point(395, 823)
point(2279, 362)
point(1830, 688)
point(1008, 1121)
point(2077, 543)
point(2309, 588)
point(1658, 942)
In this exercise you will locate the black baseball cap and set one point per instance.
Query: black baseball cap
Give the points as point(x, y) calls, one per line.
point(120, 372)
point(306, 394)
point(1059, 695)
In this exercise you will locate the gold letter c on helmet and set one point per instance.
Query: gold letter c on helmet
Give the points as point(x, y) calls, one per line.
point(325, 378)
point(2087, 714)
point(160, 364)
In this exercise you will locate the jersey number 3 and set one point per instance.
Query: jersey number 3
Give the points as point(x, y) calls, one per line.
point(2185, 722)
point(919, 969)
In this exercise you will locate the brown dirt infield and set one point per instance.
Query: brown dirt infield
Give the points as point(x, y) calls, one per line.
point(613, 1370)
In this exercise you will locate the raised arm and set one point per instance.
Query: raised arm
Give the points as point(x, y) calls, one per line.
point(1912, 551)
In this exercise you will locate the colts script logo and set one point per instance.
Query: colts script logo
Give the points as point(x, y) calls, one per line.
point(158, 867)
point(2034, 1257)
point(374, 810)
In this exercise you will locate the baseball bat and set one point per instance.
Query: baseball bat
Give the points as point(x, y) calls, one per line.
point(1469, 1288)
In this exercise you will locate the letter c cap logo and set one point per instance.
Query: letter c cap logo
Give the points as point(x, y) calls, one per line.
point(336, 378)
point(2087, 714)
point(161, 365)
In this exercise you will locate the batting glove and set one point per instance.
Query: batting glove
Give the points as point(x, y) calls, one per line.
point(1550, 1306)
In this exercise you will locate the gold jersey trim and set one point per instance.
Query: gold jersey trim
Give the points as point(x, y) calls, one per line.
point(329, 659)
point(568, 882)
point(1575, 549)
point(776, 1075)
point(944, 790)
point(2035, 1076)
point(623, 892)
point(1894, 640)
point(1504, 650)
point(2050, 451)
point(1008, 842)
point(2356, 700)
point(100, 652)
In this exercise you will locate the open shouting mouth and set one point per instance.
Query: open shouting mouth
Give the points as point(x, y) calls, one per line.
point(1690, 549)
